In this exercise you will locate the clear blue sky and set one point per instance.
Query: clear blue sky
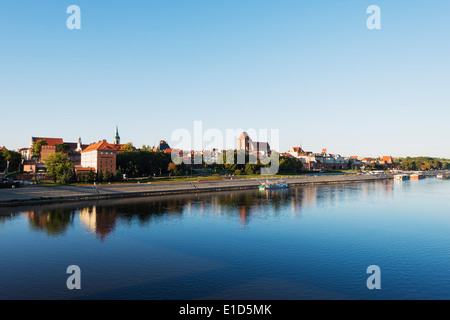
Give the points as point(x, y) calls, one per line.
point(309, 68)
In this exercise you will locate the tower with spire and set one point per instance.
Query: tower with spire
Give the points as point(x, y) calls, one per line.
point(79, 148)
point(116, 139)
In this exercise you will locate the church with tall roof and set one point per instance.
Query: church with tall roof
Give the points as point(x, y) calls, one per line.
point(245, 143)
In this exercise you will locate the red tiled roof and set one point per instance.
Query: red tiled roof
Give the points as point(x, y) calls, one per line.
point(102, 145)
point(387, 159)
point(118, 147)
point(50, 141)
point(286, 155)
point(172, 150)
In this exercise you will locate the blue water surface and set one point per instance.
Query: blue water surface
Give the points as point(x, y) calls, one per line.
point(313, 242)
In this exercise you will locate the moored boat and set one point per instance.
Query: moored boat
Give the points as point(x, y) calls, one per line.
point(401, 177)
point(417, 176)
point(274, 185)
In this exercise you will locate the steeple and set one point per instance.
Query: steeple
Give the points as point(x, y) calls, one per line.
point(79, 149)
point(116, 137)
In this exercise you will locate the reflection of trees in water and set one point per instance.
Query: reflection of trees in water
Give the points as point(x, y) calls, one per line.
point(281, 199)
point(144, 212)
point(248, 204)
point(102, 217)
point(274, 198)
point(53, 223)
point(4, 217)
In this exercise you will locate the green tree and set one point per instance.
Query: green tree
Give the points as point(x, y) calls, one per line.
point(146, 148)
point(119, 175)
point(91, 176)
point(62, 147)
point(108, 176)
point(59, 167)
point(250, 168)
point(425, 166)
point(3, 154)
point(36, 148)
point(143, 163)
point(290, 165)
point(99, 177)
point(373, 166)
point(84, 177)
point(181, 167)
point(14, 158)
point(128, 147)
point(423, 163)
point(172, 168)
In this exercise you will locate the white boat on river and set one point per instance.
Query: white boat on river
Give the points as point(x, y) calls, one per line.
point(274, 185)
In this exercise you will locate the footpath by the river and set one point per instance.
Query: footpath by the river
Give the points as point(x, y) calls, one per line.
point(40, 195)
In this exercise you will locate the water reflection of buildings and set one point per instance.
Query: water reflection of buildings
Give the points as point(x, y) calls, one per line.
point(99, 220)
point(308, 196)
point(386, 188)
point(389, 188)
point(243, 215)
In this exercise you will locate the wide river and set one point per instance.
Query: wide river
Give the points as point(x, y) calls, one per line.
point(312, 242)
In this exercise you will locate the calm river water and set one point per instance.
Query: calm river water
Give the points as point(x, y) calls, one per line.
point(301, 243)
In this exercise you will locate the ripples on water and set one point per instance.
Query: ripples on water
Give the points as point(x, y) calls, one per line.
point(301, 243)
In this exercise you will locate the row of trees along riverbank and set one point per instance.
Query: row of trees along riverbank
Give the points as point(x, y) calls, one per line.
point(145, 163)
point(423, 163)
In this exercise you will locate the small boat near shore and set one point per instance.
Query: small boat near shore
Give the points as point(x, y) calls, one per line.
point(443, 176)
point(417, 176)
point(274, 185)
point(401, 177)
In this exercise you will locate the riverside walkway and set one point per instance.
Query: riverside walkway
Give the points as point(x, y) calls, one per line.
point(39, 194)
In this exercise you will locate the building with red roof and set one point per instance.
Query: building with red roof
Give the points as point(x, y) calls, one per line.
point(387, 160)
point(50, 141)
point(54, 145)
point(100, 156)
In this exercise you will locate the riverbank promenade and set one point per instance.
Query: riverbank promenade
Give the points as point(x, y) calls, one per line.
point(40, 194)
